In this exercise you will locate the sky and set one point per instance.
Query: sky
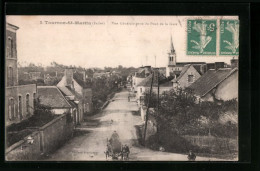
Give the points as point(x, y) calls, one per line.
point(101, 41)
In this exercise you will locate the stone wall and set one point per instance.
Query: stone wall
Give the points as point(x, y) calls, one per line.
point(216, 144)
point(22, 150)
point(56, 133)
point(45, 140)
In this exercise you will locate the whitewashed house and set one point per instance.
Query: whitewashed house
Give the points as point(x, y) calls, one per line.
point(217, 85)
point(187, 76)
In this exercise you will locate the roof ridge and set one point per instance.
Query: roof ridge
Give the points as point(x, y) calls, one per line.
point(63, 96)
point(143, 81)
point(46, 86)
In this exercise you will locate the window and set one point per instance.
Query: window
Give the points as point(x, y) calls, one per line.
point(141, 90)
point(8, 52)
point(34, 99)
point(10, 78)
point(20, 106)
point(11, 109)
point(27, 104)
point(10, 48)
point(190, 78)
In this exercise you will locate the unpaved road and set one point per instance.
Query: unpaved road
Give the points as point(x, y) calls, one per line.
point(118, 116)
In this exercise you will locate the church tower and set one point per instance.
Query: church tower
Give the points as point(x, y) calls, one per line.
point(172, 55)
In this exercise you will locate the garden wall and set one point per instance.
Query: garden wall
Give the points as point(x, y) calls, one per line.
point(45, 140)
point(216, 144)
point(55, 133)
point(24, 151)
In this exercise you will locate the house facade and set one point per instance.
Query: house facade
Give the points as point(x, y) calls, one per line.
point(139, 76)
point(187, 76)
point(145, 85)
point(75, 88)
point(19, 100)
point(217, 85)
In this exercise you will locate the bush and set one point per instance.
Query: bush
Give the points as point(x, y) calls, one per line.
point(17, 131)
point(17, 136)
point(172, 142)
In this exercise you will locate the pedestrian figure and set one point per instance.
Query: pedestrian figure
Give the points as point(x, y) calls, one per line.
point(108, 149)
point(125, 152)
point(161, 149)
point(191, 156)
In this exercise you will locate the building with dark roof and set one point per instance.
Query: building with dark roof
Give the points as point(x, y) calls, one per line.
point(76, 89)
point(53, 98)
point(188, 75)
point(144, 85)
point(140, 75)
point(221, 84)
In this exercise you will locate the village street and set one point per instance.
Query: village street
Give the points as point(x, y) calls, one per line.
point(118, 116)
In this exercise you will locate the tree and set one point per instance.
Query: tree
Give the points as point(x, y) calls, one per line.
point(176, 109)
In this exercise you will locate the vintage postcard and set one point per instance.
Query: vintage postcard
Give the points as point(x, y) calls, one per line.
point(121, 88)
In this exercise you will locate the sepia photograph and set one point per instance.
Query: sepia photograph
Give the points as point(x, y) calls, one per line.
point(121, 88)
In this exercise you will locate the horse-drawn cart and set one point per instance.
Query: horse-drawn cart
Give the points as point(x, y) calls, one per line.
point(115, 148)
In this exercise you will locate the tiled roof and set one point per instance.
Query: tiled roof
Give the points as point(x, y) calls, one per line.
point(79, 78)
point(148, 80)
point(197, 67)
point(143, 72)
point(51, 96)
point(68, 92)
point(210, 80)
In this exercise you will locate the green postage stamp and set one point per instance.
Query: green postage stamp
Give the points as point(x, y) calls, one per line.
point(229, 37)
point(201, 37)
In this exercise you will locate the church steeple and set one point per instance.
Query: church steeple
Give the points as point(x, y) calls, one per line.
point(172, 55)
point(172, 47)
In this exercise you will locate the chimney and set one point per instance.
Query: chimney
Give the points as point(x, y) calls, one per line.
point(219, 65)
point(56, 73)
point(68, 73)
point(234, 63)
point(84, 76)
point(210, 66)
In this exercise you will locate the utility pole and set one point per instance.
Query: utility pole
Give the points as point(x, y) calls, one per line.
point(158, 97)
point(148, 106)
